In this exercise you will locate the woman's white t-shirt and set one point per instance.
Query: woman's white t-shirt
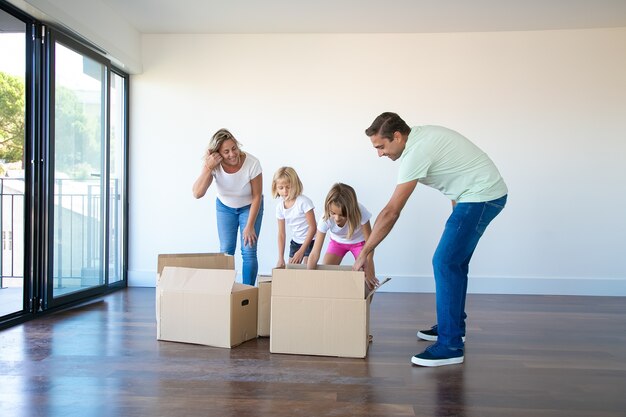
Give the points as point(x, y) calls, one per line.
point(234, 190)
point(295, 216)
point(340, 234)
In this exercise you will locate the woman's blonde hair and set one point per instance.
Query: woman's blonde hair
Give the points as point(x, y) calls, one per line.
point(344, 197)
point(219, 138)
point(288, 174)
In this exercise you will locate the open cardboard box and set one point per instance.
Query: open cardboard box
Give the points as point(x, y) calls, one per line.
point(198, 301)
point(320, 312)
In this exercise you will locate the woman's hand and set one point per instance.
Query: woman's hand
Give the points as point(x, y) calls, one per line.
point(280, 263)
point(212, 160)
point(249, 236)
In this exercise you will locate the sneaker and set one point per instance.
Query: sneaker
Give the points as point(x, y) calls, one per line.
point(437, 355)
point(431, 334)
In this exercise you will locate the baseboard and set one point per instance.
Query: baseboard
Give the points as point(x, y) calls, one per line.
point(518, 285)
point(477, 285)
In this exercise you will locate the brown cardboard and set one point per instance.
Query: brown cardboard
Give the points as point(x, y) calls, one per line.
point(319, 312)
point(196, 260)
point(265, 301)
point(204, 305)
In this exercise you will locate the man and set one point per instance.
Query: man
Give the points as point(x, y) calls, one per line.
point(443, 159)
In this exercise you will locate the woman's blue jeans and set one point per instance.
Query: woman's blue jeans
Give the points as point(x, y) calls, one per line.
point(463, 230)
point(229, 220)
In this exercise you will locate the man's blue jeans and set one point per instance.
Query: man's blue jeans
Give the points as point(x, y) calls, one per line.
point(463, 230)
point(229, 220)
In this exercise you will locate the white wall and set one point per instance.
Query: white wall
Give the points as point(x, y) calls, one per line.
point(548, 107)
point(107, 30)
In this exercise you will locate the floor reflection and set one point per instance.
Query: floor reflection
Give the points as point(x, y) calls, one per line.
point(450, 391)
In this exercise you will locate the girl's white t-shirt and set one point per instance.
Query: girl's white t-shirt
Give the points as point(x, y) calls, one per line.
point(295, 216)
point(234, 190)
point(340, 234)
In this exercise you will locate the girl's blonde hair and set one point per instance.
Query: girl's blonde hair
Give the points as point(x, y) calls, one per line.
point(219, 138)
point(287, 174)
point(344, 197)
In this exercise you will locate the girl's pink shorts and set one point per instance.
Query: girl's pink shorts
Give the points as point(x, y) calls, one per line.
point(340, 249)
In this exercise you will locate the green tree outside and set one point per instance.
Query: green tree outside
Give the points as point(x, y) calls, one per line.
point(77, 144)
point(12, 108)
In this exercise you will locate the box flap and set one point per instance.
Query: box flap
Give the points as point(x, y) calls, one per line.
point(263, 278)
point(237, 286)
point(196, 260)
point(207, 281)
point(327, 281)
point(380, 284)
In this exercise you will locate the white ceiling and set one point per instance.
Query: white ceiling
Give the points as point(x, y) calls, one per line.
point(366, 16)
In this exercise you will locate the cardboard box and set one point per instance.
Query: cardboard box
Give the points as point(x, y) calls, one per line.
point(196, 260)
point(320, 312)
point(265, 302)
point(203, 304)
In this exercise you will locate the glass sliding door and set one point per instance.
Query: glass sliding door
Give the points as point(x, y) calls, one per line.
point(77, 211)
point(13, 288)
point(63, 167)
point(117, 174)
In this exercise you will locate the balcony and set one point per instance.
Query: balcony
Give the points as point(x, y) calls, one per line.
point(77, 238)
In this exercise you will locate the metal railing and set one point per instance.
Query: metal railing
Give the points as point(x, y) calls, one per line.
point(78, 230)
point(12, 227)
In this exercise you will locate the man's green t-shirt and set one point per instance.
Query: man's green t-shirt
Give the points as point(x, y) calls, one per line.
point(446, 160)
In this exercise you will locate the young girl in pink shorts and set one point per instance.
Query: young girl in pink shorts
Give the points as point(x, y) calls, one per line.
point(348, 223)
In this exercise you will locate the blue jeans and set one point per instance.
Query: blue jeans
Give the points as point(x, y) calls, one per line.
point(463, 230)
point(228, 221)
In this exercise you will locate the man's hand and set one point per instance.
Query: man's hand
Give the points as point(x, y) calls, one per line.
point(371, 281)
point(359, 263)
point(367, 265)
point(370, 274)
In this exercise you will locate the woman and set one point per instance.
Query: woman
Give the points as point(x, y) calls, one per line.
point(239, 202)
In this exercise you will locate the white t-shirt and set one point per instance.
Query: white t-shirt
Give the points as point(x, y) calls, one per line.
point(340, 234)
point(234, 190)
point(295, 216)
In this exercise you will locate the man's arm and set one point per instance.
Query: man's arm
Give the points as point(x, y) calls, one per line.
point(385, 221)
point(370, 276)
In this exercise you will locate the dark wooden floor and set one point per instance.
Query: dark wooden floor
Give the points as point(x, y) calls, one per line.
point(525, 356)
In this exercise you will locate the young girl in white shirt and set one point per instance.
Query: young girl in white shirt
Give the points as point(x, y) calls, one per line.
point(348, 223)
point(296, 211)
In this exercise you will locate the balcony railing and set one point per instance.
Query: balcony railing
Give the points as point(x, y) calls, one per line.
point(12, 226)
point(78, 234)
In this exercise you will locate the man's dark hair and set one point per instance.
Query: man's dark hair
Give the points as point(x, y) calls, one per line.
point(386, 124)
